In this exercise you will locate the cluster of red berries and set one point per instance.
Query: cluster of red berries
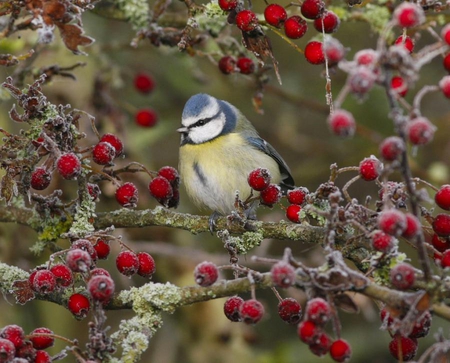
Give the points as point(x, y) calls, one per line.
point(145, 117)
point(15, 346)
point(108, 148)
point(259, 180)
point(441, 227)
point(229, 64)
point(296, 197)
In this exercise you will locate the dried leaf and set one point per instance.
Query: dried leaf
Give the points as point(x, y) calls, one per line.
point(73, 37)
point(8, 188)
point(22, 291)
point(14, 115)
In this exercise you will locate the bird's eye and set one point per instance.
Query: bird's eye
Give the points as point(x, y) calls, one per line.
point(202, 122)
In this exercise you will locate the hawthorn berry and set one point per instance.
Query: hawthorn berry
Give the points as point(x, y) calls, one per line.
point(442, 197)
point(228, 5)
point(78, 260)
point(308, 331)
point(422, 327)
point(259, 179)
point(161, 190)
point(446, 62)
point(441, 225)
point(245, 65)
point(399, 86)
point(85, 245)
point(295, 27)
point(40, 178)
point(293, 213)
point(420, 131)
point(366, 57)
point(44, 282)
point(342, 123)
point(146, 265)
point(382, 242)
point(318, 311)
point(102, 248)
point(402, 276)
point(312, 9)
point(127, 263)
point(206, 273)
point(314, 52)
point(271, 195)
point(114, 141)
point(290, 311)
point(63, 274)
point(227, 64)
point(406, 42)
point(321, 345)
point(391, 148)
point(275, 15)
point(79, 305)
point(14, 334)
point(25, 353)
point(40, 338)
point(328, 23)
point(445, 259)
point(7, 350)
point(94, 191)
point(246, 20)
point(171, 174)
point(297, 195)
point(144, 83)
point(444, 85)
point(68, 166)
point(441, 244)
point(232, 307)
point(127, 195)
point(412, 226)
point(334, 51)
point(99, 271)
point(42, 357)
point(103, 153)
point(251, 311)
point(146, 117)
point(361, 80)
point(370, 168)
point(403, 347)
point(445, 33)
point(386, 317)
point(340, 350)
point(408, 15)
point(283, 274)
point(101, 288)
point(392, 221)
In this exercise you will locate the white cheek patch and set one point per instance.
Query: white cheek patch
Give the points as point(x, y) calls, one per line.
point(208, 111)
point(209, 131)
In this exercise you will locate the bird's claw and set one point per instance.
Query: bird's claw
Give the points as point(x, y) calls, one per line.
point(212, 221)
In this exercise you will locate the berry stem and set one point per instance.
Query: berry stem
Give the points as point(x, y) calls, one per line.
point(347, 185)
point(418, 180)
point(277, 294)
point(286, 39)
point(420, 95)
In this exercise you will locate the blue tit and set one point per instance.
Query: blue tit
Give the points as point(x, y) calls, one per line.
point(219, 148)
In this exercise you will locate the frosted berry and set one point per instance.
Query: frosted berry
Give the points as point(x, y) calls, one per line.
point(251, 311)
point(293, 213)
point(334, 51)
point(403, 347)
point(44, 282)
point(382, 242)
point(422, 327)
point(79, 305)
point(385, 317)
point(408, 15)
point(295, 27)
point(442, 197)
point(206, 273)
point(312, 9)
point(161, 190)
point(318, 311)
point(446, 62)
point(361, 80)
point(40, 178)
point(42, 357)
point(40, 339)
point(103, 153)
point(246, 20)
point(308, 331)
point(115, 142)
point(402, 276)
point(144, 83)
point(259, 179)
point(227, 5)
point(227, 64)
point(146, 117)
point(321, 345)
point(127, 195)
point(146, 265)
point(406, 42)
point(99, 271)
point(412, 226)
point(314, 52)
point(101, 288)
point(68, 166)
point(441, 244)
point(94, 191)
point(271, 195)
point(391, 148)
point(25, 353)
point(340, 350)
point(127, 263)
point(342, 123)
point(399, 86)
point(245, 65)
point(420, 131)
point(283, 274)
point(328, 22)
point(232, 307)
point(275, 15)
point(441, 225)
point(370, 168)
point(366, 57)
point(63, 274)
point(392, 221)
point(290, 311)
point(78, 260)
point(445, 259)
point(102, 248)
point(445, 33)
point(85, 245)
point(297, 195)
point(444, 85)
point(7, 351)
point(171, 174)
point(14, 334)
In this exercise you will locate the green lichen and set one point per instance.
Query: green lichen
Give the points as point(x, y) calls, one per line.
point(247, 242)
point(376, 16)
point(51, 229)
point(82, 220)
point(136, 12)
point(382, 274)
point(9, 274)
point(212, 19)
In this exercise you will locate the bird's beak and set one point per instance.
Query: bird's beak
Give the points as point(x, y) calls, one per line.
point(183, 130)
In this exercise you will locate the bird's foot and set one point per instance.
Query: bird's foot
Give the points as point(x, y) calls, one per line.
point(212, 221)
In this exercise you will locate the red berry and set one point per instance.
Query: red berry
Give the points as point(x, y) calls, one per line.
point(42, 357)
point(408, 15)
point(385, 317)
point(440, 244)
point(342, 123)
point(227, 64)
point(271, 195)
point(334, 51)
point(78, 305)
point(445, 259)
point(444, 85)
point(382, 242)
point(63, 274)
point(328, 22)
point(101, 288)
point(146, 265)
point(412, 226)
point(259, 179)
point(441, 225)
point(283, 274)
point(420, 131)
point(127, 263)
point(7, 351)
point(370, 168)
point(321, 345)
point(361, 80)
point(275, 15)
point(227, 5)
point(340, 350)
point(232, 307)
point(146, 117)
point(442, 197)
point(399, 86)
point(251, 311)
point(206, 273)
point(312, 9)
point(446, 62)
point(69, 166)
point(392, 221)
point(422, 327)
point(391, 148)
point(246, 20)
point(406, 42)
point(41, 339)
point(403, 348)
point(402, 276)
point(14, 334)
point(297, 195)
point(314, 53)
point(293, 213)
point(102, 248)
point(290, 311)
point(40, 178)
point(25, 353)
point(245, 65)
point(127, 195)
point(44, 282)
point(78, 260)
point(103, 153)
point(318, 311)
point(308, 331)
point(144, 82)
point(295, 27)
point(94, 191)
point(161, 190)
point(114, 141)
point(445, 33)
point(85, 245)
point(171, 174)
point(366, 57)
point(99, 271)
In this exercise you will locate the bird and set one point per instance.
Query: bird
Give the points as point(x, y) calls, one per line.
point(219, 148)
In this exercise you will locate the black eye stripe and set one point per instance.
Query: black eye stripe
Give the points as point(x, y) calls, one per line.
point(204, 121)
